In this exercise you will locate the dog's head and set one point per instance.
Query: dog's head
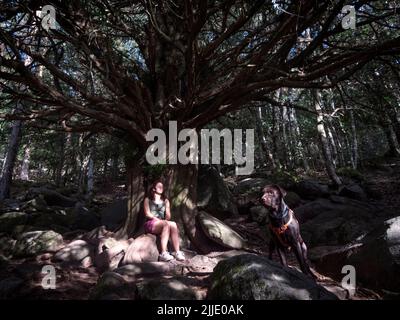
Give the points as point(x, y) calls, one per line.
point(272, 196)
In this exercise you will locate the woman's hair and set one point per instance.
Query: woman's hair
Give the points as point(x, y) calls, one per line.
point(151, 192)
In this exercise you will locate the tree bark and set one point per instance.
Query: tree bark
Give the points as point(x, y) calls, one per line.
point(24, 174)
point(326, 151)
point(61, 161)
point(90, 171)
point(354, 145)
point(12, 151)
point(266, 150)
point(299, 144)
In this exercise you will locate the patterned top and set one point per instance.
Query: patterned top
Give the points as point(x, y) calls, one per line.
point(157, 209)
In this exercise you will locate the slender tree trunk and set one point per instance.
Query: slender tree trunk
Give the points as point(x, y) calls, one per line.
point(12, 151)
point(115, 161)
point(61, 161)
point(299, 144)
point(326, 151)
point(394, 150)
point(354, 146)
point(285, 144)
point(267, 155)
point(274, 132)
point(90, 170)
point(332, 144)
point(394, 121)
point(24, 174)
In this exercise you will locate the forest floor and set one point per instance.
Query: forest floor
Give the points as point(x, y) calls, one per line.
point(76, 282)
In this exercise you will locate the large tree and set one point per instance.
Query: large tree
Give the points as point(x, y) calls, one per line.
point(125, 67)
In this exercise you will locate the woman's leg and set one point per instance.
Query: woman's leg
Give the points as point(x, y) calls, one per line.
point(162, 228)
point(174, 235)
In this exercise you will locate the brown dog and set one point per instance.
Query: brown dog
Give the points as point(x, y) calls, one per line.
point(285, 228)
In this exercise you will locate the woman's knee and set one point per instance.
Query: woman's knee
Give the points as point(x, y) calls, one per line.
point(165, 225)
point(173, 225)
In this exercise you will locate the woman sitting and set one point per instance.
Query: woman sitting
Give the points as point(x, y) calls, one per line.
point(158, 216)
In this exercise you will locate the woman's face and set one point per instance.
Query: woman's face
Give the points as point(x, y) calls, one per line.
point(159, 188)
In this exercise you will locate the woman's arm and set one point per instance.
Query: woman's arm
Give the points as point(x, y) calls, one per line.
point(146, 208)
point(167, 210)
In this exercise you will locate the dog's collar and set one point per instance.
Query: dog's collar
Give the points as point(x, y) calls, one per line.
point(281, 229)
point(282, 217)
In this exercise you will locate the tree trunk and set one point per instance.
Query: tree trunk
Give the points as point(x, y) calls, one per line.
point(60, 165)
point(266, 151)
point(12, 151)
point(354, 146)
point(115, 161)
point(180, 182)
point(24, 174)
point(300, 152)
point(326, 151)
point(391, 139)
point(285, 144)
point(90, 171)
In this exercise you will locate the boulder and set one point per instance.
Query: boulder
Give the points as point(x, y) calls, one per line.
point(115, 214)
point(7, 245)
point(34, 205)
point(52, 197)
point(219, 232)
point(113, 286)
point(35, 242)
point(259, 214)
point(311, 189)
point(335, 221)
point(109, 253)
point(61, 217)
point(9, 220)
point(136, 270)
point(250, 185)
point(292, 199)
point(213, 195)
point(75, 252)
point(85, 219)
point(143, 249)
point(252, 277)
point(376, 258)
point(165, 289)
point(353, 191)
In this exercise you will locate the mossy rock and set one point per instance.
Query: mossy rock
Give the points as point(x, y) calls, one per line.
point(112, 286)
point(9, 220)
point(35, 242)
point(252, 277)
point(165, 289)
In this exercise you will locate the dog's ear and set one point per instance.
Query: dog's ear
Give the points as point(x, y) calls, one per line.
point(281, 191)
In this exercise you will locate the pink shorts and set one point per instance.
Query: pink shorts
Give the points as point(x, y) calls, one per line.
point(149, 226)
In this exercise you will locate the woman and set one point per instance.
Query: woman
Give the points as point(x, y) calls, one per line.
point(158, 216)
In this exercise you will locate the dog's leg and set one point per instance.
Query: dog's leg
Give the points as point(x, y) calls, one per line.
point(282, 255)
point(301, 255)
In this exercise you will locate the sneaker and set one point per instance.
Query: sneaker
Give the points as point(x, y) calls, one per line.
point(179, 255)
point(165, 256)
